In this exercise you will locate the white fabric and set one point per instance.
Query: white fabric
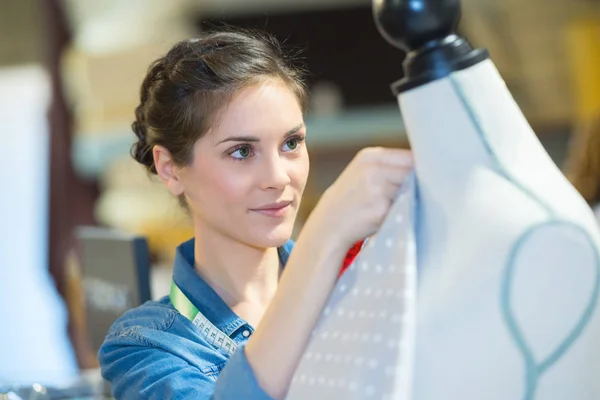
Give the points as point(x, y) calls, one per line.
point(34, 346)
point(363, 346)
point(508, 261)
point(508, 252)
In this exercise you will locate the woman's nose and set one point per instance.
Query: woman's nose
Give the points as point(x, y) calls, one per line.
point(275, 172)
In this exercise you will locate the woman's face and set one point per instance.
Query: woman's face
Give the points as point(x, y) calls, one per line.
point(249, 171)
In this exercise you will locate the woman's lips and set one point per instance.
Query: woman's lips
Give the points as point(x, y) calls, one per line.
point(274, 210)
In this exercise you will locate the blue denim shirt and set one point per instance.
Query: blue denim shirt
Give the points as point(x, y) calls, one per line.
point(154, 352)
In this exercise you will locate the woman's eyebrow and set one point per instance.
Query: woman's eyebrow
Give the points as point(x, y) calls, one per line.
point(256, 139)
point(295, 129)
point(240, 139)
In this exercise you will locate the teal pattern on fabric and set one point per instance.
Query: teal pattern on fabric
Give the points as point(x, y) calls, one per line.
point(533, 370)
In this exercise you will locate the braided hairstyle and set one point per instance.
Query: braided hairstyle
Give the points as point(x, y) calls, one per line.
point(184, 91)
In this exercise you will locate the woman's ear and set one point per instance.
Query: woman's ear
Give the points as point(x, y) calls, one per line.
point(167, 170)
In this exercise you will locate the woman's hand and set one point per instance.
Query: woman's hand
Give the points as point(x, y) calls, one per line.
point(356, 204)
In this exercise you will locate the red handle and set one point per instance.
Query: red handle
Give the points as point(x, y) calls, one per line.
point(350, 256)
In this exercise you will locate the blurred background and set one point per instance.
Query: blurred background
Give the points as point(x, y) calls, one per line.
point(70, 73)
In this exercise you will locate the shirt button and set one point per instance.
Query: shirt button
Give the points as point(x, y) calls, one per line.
point(246, 333)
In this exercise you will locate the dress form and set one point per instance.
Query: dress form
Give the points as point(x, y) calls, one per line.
point(507, 250)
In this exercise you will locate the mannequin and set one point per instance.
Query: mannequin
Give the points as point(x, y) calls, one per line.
point(507, 251)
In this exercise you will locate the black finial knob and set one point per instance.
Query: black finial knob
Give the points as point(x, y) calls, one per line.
point(425, 30)
point(410, 24)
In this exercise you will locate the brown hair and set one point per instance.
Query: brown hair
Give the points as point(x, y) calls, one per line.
point(583, 162)
point(183, 91)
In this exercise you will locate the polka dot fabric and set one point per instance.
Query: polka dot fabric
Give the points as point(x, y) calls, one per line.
point(362, 346)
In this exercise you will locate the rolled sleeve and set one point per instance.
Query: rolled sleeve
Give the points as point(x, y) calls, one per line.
point(237, 380)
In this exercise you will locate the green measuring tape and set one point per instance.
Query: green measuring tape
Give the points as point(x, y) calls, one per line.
point(211, 333)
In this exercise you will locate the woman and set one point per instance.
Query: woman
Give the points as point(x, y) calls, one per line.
point(583, 163)
point(221, 123)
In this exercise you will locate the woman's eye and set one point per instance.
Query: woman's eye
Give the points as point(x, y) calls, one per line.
point(242, 152)
point(292, 144)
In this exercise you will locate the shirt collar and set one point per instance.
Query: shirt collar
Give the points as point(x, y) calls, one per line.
point(206, 300)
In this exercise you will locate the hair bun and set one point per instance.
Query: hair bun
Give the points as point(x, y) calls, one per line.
point(140, 150)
